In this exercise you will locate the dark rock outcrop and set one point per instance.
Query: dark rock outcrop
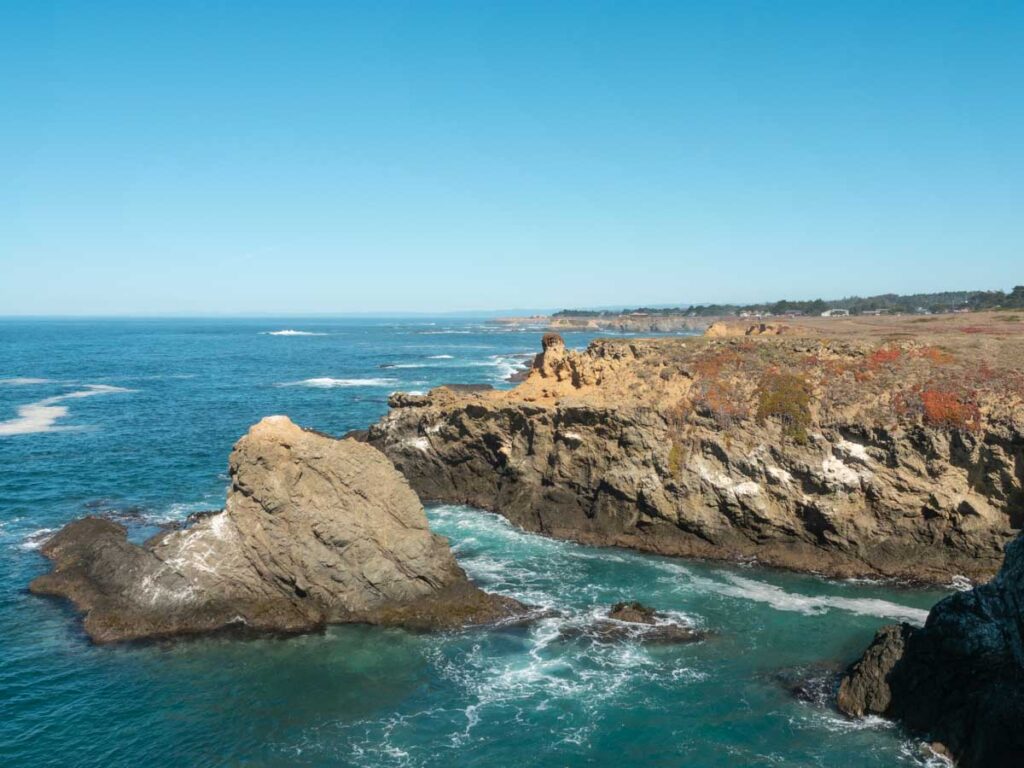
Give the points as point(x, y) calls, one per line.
point(636, 622)
point(635, 612)
point(960, 678)
point(315, 531)
point(837, 457)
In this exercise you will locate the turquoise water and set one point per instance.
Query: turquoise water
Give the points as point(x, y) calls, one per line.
point(152, 409)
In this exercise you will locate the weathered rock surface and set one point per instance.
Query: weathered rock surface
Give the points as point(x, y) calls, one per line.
point(721, 329)
point(846, 457)
point(315, 531)
point(635, 612)
point(960, 678)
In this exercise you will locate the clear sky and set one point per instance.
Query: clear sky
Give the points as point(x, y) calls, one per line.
point(276, 157)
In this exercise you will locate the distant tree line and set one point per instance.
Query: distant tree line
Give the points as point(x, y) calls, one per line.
point(887, 302)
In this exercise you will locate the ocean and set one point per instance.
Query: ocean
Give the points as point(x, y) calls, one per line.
point(134, 419)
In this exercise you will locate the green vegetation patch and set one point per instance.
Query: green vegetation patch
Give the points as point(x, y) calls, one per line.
point(786, 397)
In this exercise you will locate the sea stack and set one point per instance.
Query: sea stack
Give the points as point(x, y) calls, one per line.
point(315, 531)
point(960, 678)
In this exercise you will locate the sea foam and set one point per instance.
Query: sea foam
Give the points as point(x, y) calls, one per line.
point(23, 381)
point(290, 332)
point(325, 382)
point(42, 415)
point(810, 605)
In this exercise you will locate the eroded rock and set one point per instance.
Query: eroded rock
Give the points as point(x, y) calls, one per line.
point(315, 531)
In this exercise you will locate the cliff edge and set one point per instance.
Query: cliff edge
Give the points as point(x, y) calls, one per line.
point(882, 454)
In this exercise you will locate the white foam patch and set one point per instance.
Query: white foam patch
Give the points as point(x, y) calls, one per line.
point(42, 415)
point(505, 364)
point(23, 381)
point(439, 357)
point(961, 583)
point(290, 332)
point(325, 382)
point(810, 605)
point(36, 539)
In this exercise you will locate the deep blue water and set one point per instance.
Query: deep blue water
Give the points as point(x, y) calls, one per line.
point(152, 410)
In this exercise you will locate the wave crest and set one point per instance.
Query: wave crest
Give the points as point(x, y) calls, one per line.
point(326, 382)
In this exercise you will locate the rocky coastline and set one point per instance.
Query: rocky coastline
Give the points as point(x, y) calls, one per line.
point(959, 680)
point(897, 457)
point(315, 531)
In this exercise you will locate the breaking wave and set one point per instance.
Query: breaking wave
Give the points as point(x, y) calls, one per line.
point(42, 415)
point(325, 382)
point(290, 332)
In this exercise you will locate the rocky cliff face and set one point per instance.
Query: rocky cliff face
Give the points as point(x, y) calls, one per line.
point(960, 678)
point(847, 457)
point(315, 530)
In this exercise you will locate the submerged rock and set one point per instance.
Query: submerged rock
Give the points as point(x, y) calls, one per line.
point(315, 531)
point(813, 684)
point(960, 678)
point(638, 622)
point(635, 612)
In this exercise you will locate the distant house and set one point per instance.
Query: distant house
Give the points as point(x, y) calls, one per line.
point(836, 313)
point(873, 312)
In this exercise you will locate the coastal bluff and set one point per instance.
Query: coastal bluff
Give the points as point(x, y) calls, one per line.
point(315, 531)
point(959, 680)
point(881, 448)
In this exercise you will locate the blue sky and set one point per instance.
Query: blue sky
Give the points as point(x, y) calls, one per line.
point(222, 157)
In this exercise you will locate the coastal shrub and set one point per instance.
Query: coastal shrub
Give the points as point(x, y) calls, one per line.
point(935, 355)
point(884, 356)
point(711, 363)
point(719, 400)
point(945, 409)
point(676, 414)
point(786, 397)
point(675, 459)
